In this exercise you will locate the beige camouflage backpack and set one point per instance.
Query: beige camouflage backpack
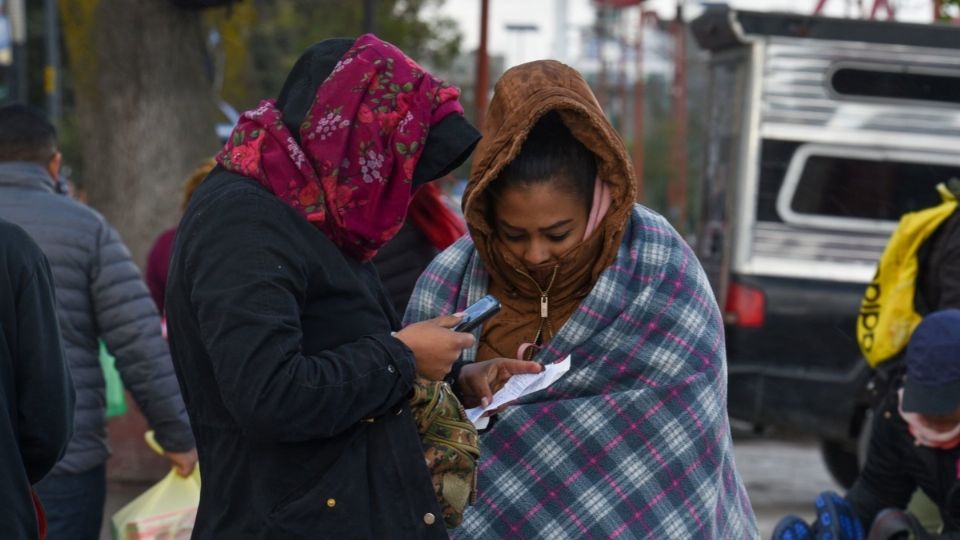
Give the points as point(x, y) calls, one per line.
point(450, 447)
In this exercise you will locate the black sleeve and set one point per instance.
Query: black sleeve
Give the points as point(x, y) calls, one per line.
point(883, 482)
point(45, 395)
point(247, 296)
point(454, 376)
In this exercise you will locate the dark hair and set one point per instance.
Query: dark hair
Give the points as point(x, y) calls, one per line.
point(551, 153)
point(26, 134)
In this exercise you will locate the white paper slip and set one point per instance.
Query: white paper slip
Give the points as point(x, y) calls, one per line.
point(517, 387)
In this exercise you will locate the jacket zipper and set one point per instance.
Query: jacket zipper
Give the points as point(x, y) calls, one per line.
point(544, 303)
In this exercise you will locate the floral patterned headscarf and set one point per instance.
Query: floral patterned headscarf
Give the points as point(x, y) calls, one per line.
point(351, 173)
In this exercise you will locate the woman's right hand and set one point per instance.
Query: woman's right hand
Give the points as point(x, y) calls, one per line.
point(435, 346)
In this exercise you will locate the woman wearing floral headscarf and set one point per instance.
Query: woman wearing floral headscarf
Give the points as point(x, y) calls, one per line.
point(292, 367)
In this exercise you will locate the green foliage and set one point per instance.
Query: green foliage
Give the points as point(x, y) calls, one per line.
point(658, 137)
point(283, 29)
point(949, 9)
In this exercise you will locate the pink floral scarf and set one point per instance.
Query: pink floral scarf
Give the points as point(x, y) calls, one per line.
point(359, 145)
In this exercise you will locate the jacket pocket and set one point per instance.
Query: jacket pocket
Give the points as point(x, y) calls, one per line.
point(334, 505)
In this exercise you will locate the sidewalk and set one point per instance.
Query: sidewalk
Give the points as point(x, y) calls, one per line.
point(118, 495)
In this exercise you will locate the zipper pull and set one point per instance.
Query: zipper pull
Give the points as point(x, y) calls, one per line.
point(544, 304)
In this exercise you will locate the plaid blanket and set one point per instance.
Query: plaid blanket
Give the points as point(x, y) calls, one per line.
point(634, 441)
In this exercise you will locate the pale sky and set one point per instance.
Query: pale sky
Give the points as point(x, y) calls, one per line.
point(526, 46)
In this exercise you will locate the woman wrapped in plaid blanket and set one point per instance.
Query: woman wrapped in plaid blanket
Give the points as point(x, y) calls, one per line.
point(634, 441)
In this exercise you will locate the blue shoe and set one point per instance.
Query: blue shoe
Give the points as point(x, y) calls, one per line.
point(792, 528)
point(836, 519)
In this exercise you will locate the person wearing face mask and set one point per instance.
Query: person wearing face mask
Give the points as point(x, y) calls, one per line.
point(634, 440)
point(915, 442)
point(290, 354)
point(914, 445)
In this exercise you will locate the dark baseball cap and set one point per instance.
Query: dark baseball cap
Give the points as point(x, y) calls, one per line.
point(932, 384)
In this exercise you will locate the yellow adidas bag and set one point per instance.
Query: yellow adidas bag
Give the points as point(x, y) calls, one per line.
point(166, 511)
point(887, 313)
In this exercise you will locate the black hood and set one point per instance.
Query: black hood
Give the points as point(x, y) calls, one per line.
point(449, 142)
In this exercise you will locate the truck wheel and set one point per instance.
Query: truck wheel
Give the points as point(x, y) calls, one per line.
point(845, 458)
point(841, 460)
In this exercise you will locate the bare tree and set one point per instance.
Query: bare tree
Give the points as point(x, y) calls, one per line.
point(145, 108)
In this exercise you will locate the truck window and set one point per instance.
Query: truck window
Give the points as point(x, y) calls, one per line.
point(884, 83)
point(860, 189)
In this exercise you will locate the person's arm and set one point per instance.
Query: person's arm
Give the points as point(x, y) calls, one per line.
point(247, 290)
point(45, 394)
point(129, 324)
point(882, 483)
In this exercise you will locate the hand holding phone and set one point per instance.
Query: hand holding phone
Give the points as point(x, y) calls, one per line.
point(483, 309)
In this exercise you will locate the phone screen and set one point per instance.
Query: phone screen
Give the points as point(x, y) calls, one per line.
point(482, 310)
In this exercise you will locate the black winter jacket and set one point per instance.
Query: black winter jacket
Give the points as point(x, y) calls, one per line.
point(939, 281)
point(401, 261)
point(896, 467)
point(295, 387)
point(100, 294)
point(36, 395)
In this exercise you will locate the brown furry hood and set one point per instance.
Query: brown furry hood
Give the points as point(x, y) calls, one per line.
point(524, 94)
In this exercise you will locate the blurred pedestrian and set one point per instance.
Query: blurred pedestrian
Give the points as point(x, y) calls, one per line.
point(431, 227)
point(294, 367)
point(36, 394)
point(158, 260)
point(634, 441)
point(914, 443)
point(100, 295)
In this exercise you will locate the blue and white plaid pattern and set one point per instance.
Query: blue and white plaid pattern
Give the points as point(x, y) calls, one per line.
point(634, 441)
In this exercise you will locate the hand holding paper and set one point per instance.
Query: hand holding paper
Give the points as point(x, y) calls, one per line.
point(517, 387)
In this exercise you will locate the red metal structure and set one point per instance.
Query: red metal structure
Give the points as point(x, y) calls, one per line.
point(877, 6)
point(639, 90)
point(483, 67)
point(677, 189)
point(638, 86)
point(619, 3)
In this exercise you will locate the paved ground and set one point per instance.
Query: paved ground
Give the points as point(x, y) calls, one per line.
point(782, 477)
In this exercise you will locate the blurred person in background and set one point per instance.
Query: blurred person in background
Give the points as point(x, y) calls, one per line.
point(634, 440)
point(158, 260)
point(294, 368)
point(915, 444)
point(431, 227)
point(36, 394)
point(100, 294)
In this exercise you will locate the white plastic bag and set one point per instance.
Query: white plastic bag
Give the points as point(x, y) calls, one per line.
point(166, 511)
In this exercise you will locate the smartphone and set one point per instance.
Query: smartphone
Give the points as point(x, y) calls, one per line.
point(483, 309)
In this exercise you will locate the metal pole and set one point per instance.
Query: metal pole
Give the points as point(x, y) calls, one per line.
point(638, 105)
point(18, 34)
point(560, 38)
point(622, 74)
point(679, 146)
point(877, 4)
point(483, 66)
point(602, 94)
point(51, 72)
point(369, 7)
